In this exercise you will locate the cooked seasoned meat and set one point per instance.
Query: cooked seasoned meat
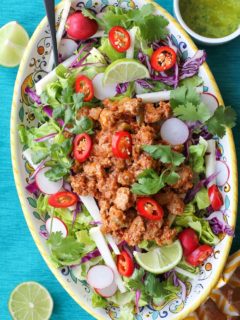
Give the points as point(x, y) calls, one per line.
point(154, 114)
point(211, 312)
point(134, 234)
point(109, 178)
point(172, 201)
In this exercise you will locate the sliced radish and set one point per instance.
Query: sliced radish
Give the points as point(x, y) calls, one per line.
point(224, 173)
point(102, 246)
point(210, 100)
point(101, 91)
point(174, 131)
point(67, 48)
point(45, 185)
point(154, 97)
point(210, 161)
point(56, 225)
point(100, 277)
point(107, 292)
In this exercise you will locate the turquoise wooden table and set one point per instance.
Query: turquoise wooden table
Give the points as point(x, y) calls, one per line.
point(19, 258)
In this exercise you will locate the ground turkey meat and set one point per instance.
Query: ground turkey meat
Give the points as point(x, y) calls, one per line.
point(172, 201)
point(124, 199)
point(185, 181)
point(154, 114)
point(134, 234)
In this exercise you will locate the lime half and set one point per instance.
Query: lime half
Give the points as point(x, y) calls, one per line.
point(29, 301)
point(13, 42)
point(125, 70)
point(161, 259)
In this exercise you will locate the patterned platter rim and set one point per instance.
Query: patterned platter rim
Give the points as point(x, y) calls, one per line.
point(21, 191)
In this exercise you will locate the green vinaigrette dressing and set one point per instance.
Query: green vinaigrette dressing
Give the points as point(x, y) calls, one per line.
point(211, 18)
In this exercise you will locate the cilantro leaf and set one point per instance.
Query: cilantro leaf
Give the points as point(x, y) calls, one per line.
point(64, 251)
point(164, 153)
point(153, 28)
point(191, 112)
point(149, 182)
point(223, 117)
point(85, 124)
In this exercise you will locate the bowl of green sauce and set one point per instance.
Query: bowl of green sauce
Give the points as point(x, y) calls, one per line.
point(210, 22)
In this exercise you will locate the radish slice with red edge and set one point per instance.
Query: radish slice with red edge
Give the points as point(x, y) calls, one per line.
point(100, 277)
point(224, 172)
point(210, 101)
point(107, 292)
point(67, 48)
point(101, 91)
point(45, 185)
point(56, 225)
point(174, 131)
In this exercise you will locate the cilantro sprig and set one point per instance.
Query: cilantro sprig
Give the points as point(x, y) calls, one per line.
point(187, 106)
point(152, 27)
point(149, 182)
point(164, 154)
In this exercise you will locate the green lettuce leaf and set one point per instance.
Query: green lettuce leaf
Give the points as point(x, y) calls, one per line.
point(84, 238)
point(107, 49)
point(202, 199)
point(196, 155)
point(98, 301)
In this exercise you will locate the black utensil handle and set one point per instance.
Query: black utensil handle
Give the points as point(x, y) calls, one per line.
point(50, 10)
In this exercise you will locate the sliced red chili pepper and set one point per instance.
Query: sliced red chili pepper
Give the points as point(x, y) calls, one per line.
point(149, 208)
point(215, 197)
point(189, 240)
point(122, 144)
point(119, 38)
point(164, 58)
point(199, 255)
point(62, 199)
point(82, 146)
point(125, 264)
point(84, 85)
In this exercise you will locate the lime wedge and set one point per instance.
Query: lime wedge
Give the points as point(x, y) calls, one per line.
point(13, 42)
point(161, 259)
point(125, 70)
point(30, 300)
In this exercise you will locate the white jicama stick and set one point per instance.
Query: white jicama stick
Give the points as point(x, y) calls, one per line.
point(51, 76)
point(28, 156)
point(154, 97)
point(130, 50)
point(92, 207)
point(98, 34)
point(102, 246)
point(65, 12)
point(210, 160)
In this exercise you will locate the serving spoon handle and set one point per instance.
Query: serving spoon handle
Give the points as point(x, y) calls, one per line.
point(50, 11)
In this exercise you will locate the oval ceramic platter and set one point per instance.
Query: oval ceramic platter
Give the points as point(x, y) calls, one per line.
point(32, 69)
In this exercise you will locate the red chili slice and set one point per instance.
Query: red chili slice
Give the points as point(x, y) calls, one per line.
point(84, 85)
point(82, 146)
point(62, 199)
point(125, 264)
point(163, 59)
point(149, 209)
point(215, 197)
point(199, 255)
point(119, 38)
point(189, 240)
point(122, 144)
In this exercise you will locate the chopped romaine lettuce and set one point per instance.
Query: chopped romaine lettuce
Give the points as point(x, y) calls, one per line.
point(83, 237)
point(196, 155)
point(107, 49)
point(202, 199)
point(98, 301)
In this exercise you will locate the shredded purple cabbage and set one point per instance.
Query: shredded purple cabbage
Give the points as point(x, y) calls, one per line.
point(144, 84)
point(43, 234)
point(49, 111)
point(191, 66)
point(137, 298)
point(45, 138)
point(78, 62)
point(32, 187)
point(91, 255)
point(177, 283)
point(95, 223)
point(219, 225)
point(39, 167)
point(122, 87)
point(32, 95)
point(190, 195)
